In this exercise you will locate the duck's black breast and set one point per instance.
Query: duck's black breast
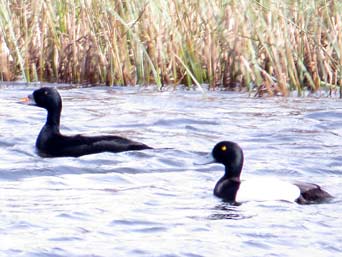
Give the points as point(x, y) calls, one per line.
point(227, 189)
point(56, 145)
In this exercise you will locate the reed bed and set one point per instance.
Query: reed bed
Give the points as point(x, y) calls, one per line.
point(269, 46)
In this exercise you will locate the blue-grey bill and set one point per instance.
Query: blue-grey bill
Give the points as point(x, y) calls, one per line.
point(207, 159)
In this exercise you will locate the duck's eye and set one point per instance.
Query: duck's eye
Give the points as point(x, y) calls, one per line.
point(224, 148)
point(46, 92)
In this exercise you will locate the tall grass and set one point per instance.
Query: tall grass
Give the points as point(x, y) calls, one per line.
point(273, 46)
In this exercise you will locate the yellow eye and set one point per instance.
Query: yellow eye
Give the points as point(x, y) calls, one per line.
point(224, 148)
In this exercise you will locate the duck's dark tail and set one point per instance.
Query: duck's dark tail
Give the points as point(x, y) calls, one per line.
point(137, 147)
point(311, 193)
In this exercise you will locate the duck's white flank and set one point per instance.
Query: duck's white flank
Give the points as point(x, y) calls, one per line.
point(267, 189)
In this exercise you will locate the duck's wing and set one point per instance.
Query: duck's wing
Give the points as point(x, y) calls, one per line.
point(311, 193)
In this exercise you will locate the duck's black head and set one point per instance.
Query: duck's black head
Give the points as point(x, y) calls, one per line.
point(47, 98)
point(230, 155)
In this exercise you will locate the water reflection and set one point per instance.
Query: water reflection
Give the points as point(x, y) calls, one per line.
point(228, 211)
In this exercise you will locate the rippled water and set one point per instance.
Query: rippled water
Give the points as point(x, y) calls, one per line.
point(156, 202)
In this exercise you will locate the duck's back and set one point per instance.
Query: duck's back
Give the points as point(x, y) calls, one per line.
point(57, 145)
point(311, 193)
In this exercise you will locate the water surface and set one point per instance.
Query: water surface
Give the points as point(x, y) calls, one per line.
point(157, 202)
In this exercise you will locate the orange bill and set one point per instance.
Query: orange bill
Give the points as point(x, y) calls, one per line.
point(25, 100)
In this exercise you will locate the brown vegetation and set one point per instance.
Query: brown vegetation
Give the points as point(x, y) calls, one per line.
point(271, 46)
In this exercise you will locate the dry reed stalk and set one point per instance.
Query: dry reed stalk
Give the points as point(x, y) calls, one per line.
point(277, 45)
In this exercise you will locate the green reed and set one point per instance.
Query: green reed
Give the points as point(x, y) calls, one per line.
point(271, 46)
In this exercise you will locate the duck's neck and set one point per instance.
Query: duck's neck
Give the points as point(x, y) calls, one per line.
point(235, 179)
point(233, 171)
point(53, 119)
